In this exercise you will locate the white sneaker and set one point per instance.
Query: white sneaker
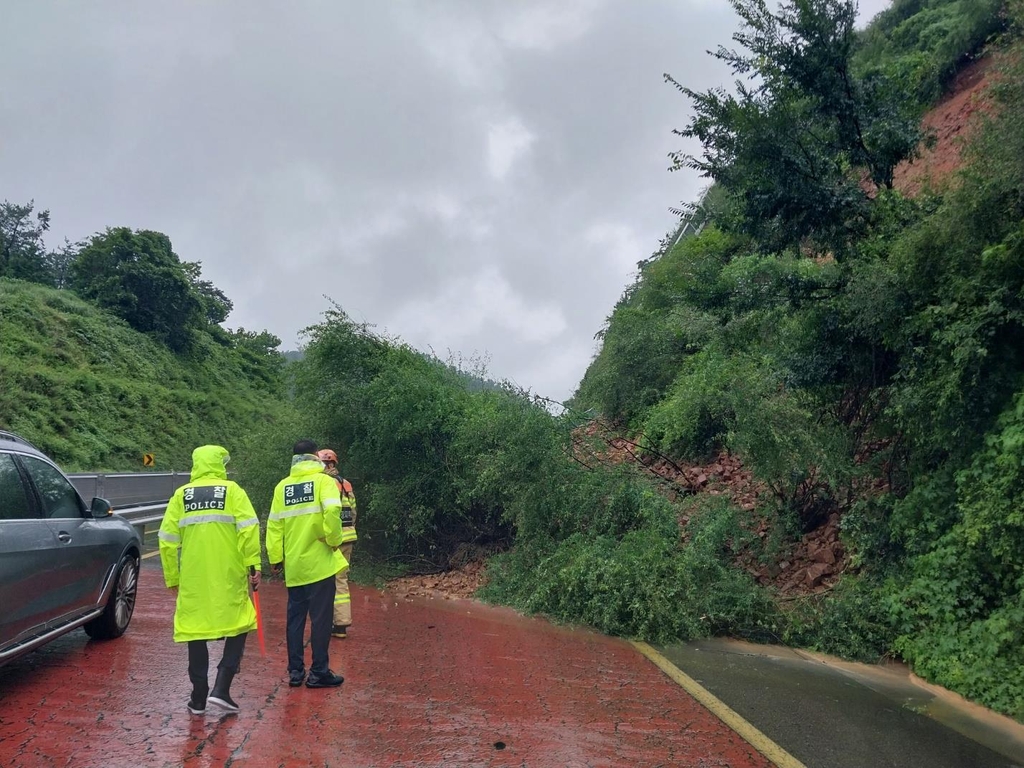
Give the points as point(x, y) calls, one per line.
point(224, 702)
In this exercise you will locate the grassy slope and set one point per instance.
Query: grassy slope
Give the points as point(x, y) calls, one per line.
point(95, 394)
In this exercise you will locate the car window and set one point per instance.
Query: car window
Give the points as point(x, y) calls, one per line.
point(14, 503)
point(57, 494)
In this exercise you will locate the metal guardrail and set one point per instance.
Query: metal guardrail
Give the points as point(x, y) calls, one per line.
point(140, 498)
point(143, 516)
point(129, 489)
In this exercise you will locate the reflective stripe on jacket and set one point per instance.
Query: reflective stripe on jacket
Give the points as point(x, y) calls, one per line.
point(212, 522)
point(348, 511)
point(304, 526)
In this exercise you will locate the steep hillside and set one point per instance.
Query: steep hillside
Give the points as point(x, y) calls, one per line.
point(950, 123)
point(838, 364)
point(813, 563)
point(96, 394)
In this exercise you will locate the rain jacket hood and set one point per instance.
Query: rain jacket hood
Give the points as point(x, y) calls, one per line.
point(210, 461)
point(306, 464)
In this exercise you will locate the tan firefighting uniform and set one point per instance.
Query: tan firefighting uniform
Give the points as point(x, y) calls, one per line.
point(342, 596)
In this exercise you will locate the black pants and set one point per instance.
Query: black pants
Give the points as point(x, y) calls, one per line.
point(199, 661)
point(317, 600)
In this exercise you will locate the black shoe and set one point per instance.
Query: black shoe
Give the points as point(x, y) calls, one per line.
point(197, 700)
point(326, 680)
point(220, 696)
point(295, 678)
point(225, 702)
point(339, 631)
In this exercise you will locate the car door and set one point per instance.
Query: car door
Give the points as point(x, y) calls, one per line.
point(86, 552)
point(27, 551)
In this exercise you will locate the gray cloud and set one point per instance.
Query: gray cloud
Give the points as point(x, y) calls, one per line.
point(471, 175)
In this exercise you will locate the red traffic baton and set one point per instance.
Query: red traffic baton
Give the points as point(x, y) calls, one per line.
point(259, 618)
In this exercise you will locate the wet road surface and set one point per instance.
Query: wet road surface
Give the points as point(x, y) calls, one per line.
point(836, 715)
point(428, 683)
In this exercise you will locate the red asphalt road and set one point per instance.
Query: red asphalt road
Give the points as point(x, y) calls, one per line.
point(427, 683)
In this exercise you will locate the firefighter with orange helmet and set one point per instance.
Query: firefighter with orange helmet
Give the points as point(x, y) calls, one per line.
point(342, 597)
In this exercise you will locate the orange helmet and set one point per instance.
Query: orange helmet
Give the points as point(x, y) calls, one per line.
point(327, 455)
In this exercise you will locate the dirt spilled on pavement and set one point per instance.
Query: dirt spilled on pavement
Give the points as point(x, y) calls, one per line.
point(462, 582)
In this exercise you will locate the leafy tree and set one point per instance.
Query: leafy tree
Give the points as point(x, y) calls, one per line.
point(22, 253)
point(216, 305)
point(260, 343)
point(138, 277)
point(59, 263)
point(259, 352)
point(801, 123)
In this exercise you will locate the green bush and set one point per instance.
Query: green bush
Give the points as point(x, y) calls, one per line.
point(959, 606)
point(645, 584)
point(697, 414)
point(851, 621)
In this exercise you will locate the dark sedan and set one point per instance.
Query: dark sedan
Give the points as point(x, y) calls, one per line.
point(63, 564)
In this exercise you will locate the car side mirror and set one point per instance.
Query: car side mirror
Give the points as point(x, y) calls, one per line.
point(100, 508)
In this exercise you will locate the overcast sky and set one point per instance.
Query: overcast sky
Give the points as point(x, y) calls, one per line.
point(479, 176)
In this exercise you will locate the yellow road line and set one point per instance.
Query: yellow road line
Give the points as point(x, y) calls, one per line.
point(151, 554)
point(776, 754)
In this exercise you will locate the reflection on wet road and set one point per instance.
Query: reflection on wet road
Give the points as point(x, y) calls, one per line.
point(456, 683)
point(428, 683)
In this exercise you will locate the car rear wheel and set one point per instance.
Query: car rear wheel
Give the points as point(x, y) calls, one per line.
point(120, 605)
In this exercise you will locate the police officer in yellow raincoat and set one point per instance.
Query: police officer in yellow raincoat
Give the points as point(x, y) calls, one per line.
point(211, 521)
point(304, 532)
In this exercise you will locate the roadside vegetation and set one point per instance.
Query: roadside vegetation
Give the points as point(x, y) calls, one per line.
point(858, 352)
point(113, 348)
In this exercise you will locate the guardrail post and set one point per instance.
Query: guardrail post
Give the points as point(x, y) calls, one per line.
point(99, 486)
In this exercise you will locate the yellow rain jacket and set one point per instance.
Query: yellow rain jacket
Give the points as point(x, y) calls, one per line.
point(212, 522)
point(304, 527)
